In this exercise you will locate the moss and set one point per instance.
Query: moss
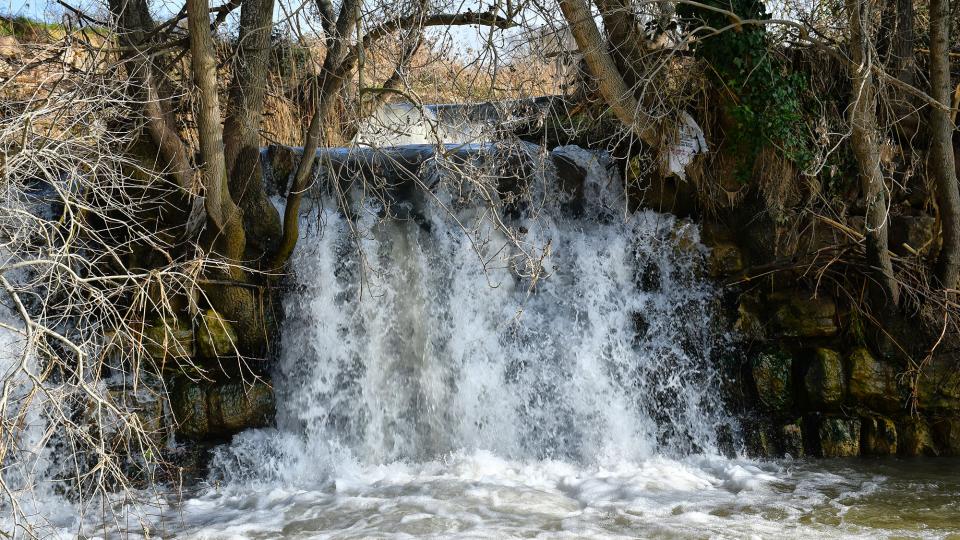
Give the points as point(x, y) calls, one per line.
point(804, 317)
point(916, 438)
point(792, 437)
point(206, 411)
point(772, 376)
point(872, 383)
point(168, 338)
point(216, 336)
point(839, 437)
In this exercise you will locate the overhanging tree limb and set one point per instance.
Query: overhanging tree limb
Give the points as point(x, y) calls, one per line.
point(337, 66)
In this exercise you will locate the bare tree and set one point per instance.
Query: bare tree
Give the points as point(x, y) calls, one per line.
point(941, 162)
point(865, 140)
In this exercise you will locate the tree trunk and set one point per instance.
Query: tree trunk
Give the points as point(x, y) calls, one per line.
point(866, 148)
point(332, 77)
point(609, 81)
point(626, 44)
point(941, 162)
point(261, 222)
point(224, 234)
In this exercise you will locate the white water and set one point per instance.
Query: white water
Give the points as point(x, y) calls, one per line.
point(421, 397)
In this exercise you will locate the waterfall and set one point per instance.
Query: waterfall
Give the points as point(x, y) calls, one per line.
point(587, 337)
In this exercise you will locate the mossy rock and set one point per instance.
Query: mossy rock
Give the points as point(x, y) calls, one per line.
point(236, 407)
point(878, 436)
point(791, 436)
point(725, 259)
point(205, 411)
point(916, 438)
point(939, 385)
point(824, 381)
point(216, 336)
point(839, 437)
point(761, 440)
point(872, 383)
point(800, 316)
point(772, 377)
point(189, 404)
point(168, 338)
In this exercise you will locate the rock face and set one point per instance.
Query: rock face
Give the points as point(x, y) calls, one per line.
point(879, 436)
point(792, 437)
point(219, 410)
point(916, 439)
point(805, 317)
point(824, 381)
point(872, 383)
point(939, 385)
point(725, 259)
point(947, 430)
point(839, 437)
point(772, 375)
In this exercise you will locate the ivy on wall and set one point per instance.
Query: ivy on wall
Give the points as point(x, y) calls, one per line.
point(765, 98)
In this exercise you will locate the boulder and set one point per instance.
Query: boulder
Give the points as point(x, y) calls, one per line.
point(792, 437)
point(772, 377)
point(760, 440)
point(824, 380)
point(215, 335)
point(802, 316)
point(208, 411)
point(189, 404)
point(235, 407)
point(916, 438)
point(839, 437)
point(872, 383)
point(878, 436)
point(168, 338)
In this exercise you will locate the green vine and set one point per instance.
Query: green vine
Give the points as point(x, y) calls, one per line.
point(765, 97)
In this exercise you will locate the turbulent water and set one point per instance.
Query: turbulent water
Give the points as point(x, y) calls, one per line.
point(433, 384)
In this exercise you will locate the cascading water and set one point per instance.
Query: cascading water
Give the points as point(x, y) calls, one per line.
point(432, 347)
point(415, 342)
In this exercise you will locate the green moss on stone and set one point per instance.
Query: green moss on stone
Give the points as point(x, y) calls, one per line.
point(772, 375)
point(215, 335)
point(839, 437)
point(804, 317)
point(872, 383)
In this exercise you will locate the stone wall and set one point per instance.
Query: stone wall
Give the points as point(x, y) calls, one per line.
point(813, 379)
